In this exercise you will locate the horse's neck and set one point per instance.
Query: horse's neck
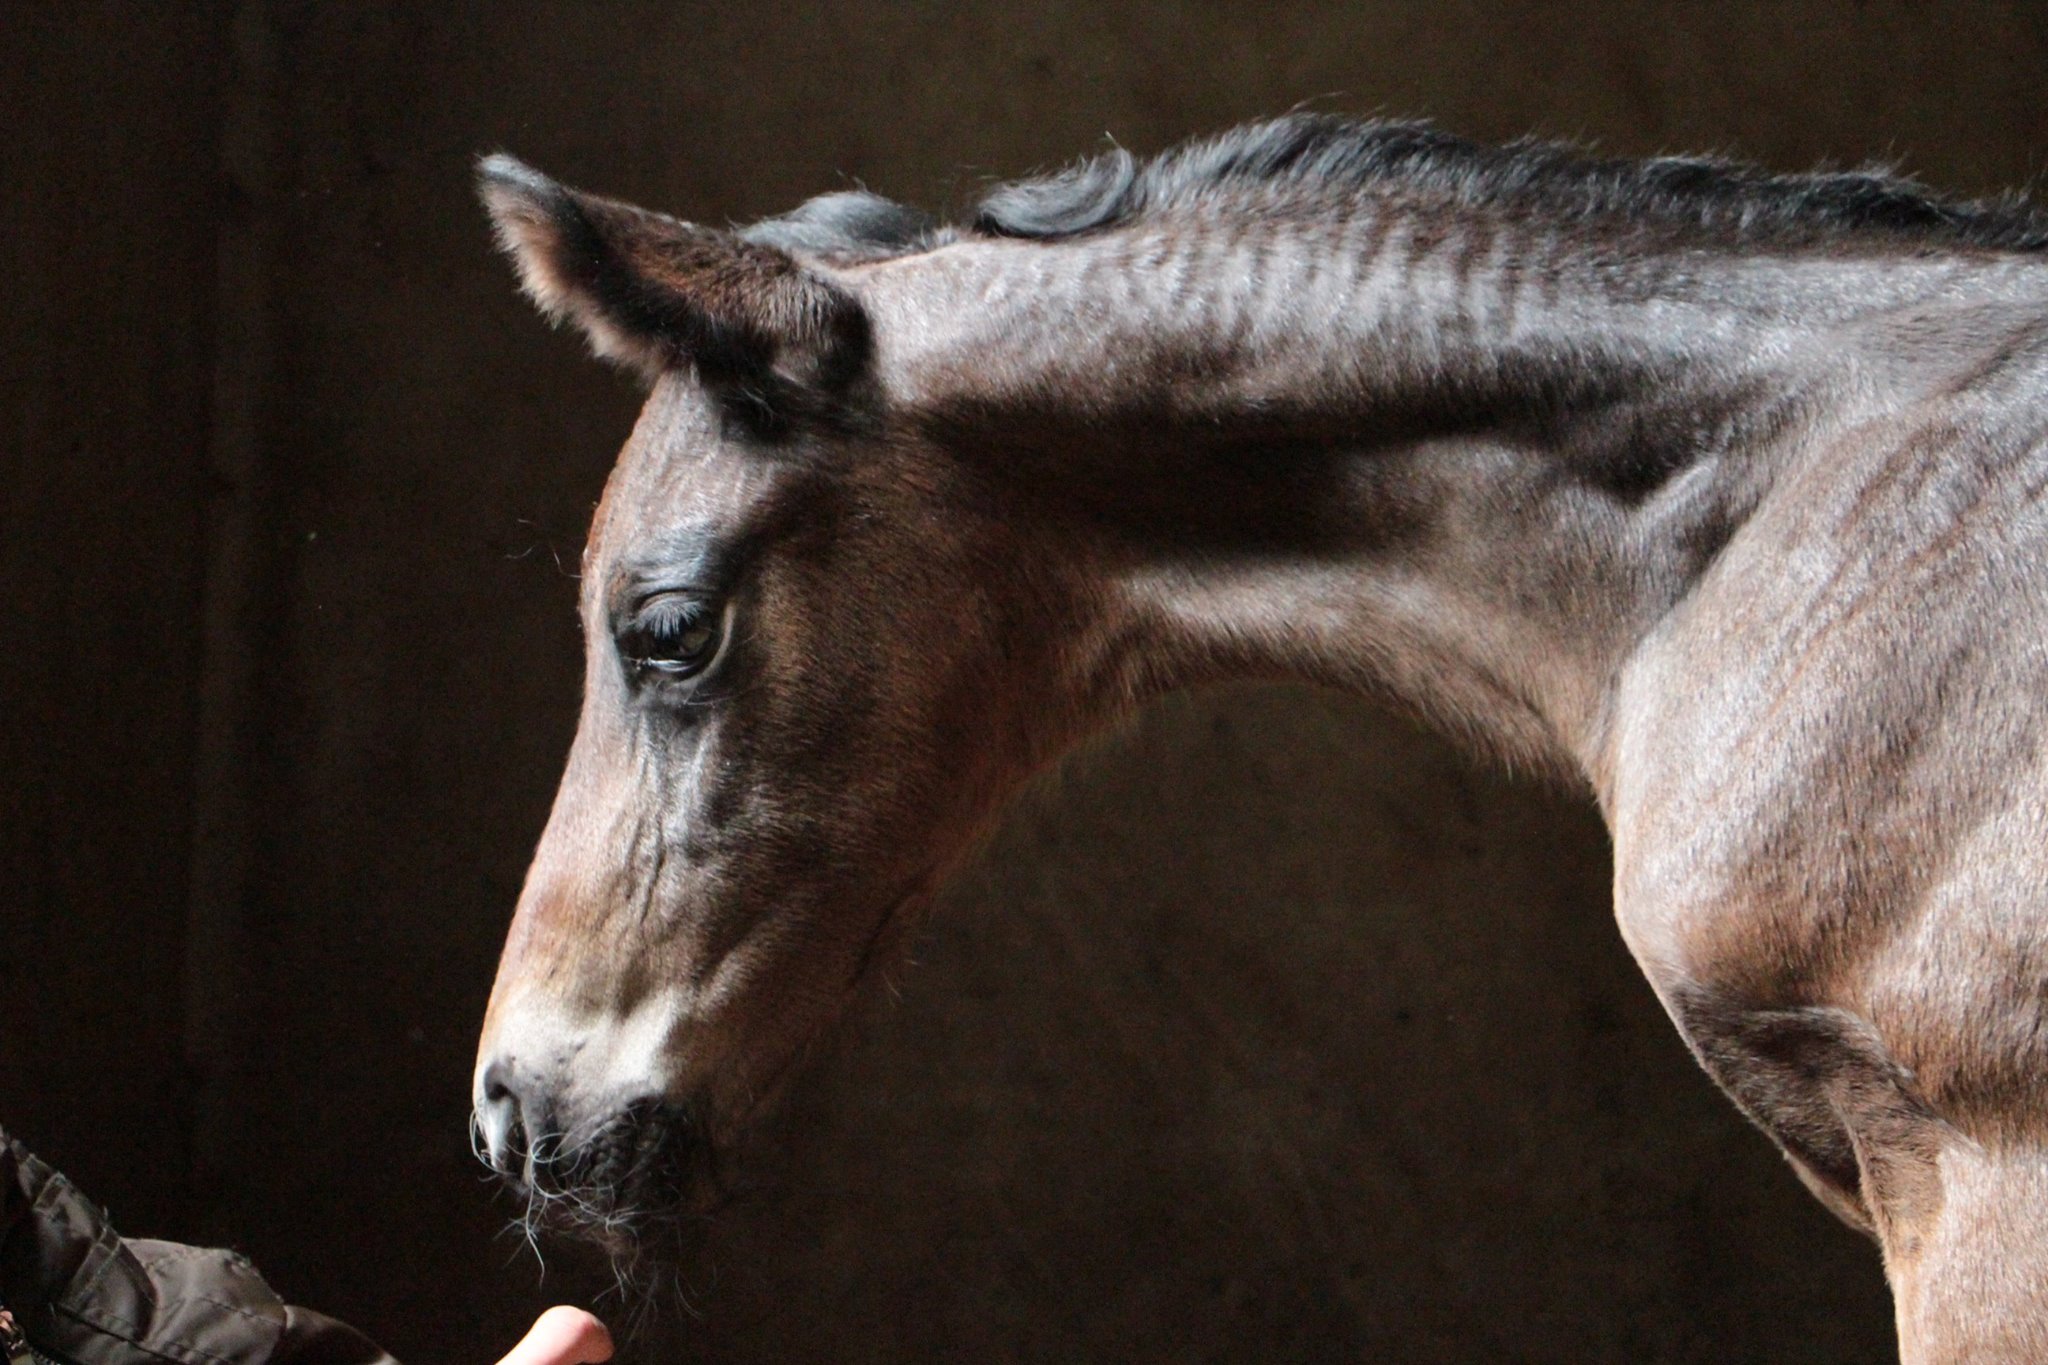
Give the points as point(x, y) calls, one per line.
point(1461, 460)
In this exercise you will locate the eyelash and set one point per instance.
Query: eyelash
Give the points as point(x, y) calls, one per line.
point(656, 640)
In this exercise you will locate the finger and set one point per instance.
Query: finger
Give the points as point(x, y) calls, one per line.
point(562, 1336)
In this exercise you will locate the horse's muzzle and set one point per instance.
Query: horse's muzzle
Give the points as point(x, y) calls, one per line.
point(591, 1175)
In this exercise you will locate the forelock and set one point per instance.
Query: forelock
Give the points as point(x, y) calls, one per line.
point(848, 224)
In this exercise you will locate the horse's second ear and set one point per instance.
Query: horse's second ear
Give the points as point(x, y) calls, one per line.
point(651, 292)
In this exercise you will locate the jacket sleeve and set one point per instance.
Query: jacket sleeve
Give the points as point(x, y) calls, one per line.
point(84, 1294)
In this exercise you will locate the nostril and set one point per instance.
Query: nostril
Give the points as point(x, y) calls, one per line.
point(496, 1089)
point(501, 1118)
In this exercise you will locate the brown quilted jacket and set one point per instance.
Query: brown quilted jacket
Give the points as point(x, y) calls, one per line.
point(83, 1295)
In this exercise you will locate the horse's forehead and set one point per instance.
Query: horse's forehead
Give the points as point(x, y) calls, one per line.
point(677, 468)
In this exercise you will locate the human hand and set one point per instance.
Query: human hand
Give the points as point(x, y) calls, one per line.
point(562, 1336)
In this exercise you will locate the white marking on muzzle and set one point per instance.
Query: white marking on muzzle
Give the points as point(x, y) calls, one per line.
point(577, 1070)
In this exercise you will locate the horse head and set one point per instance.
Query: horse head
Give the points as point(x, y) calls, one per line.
point(818, 653)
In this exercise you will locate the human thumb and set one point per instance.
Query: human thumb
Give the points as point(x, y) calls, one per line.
point(562, 1336)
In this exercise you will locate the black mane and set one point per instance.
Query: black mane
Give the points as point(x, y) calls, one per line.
point(1327, 154)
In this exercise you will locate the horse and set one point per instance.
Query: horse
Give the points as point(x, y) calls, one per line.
point(1715, 490)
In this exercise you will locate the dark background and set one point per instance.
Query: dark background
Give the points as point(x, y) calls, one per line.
point(1271, 1030)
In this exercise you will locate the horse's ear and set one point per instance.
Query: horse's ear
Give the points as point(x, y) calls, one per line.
point(651, 292)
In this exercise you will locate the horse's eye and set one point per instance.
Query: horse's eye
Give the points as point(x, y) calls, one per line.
point(675, 636)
